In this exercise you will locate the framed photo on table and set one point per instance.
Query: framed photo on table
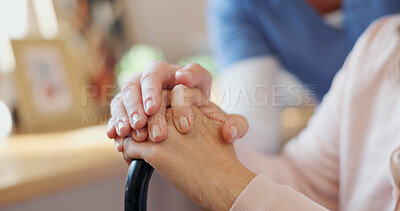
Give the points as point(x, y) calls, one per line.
point(48, 94)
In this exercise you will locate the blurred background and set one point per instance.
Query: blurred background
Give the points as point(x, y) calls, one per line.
point(61, 62)
point(100, 44)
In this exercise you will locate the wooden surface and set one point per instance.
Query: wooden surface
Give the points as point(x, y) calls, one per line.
point(33, 165)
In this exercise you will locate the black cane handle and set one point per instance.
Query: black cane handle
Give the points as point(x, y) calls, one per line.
point(137, 183)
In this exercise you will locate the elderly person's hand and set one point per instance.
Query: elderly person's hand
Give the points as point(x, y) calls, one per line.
point(200, 163)
point(141, 98)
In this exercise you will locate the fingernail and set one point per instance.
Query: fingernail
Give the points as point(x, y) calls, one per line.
point(233, 131)
point(135, 118)
point(136, 134)
point(155, 131)
point(120, 125)
point(183, 123)
point(117, 146)
point(188, 75)
point(149, 103)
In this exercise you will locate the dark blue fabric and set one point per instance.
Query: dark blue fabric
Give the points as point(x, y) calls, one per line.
point(293, 32)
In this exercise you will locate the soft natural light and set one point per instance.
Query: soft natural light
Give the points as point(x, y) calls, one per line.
point(14, 25)
point(46, 17)
point(7, 60)
point(14, 18)
point(5, 121)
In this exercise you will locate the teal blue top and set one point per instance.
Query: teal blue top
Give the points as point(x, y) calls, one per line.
point(293, 32)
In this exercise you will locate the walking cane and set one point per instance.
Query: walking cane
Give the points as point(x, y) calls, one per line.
point(137, 183)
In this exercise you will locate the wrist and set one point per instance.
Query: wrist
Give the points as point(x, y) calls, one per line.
point(235, 180)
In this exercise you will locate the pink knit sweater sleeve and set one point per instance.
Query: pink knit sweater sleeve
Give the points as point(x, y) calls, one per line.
point(309, 164)
point(263, 194)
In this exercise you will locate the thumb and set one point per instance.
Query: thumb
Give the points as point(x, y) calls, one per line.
point(195, 76)
point(235, 127)
point(182, 100)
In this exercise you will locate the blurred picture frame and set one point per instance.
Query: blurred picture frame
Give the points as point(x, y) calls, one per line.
point(48, 95)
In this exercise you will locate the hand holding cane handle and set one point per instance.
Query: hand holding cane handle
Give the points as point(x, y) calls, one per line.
point(137, 183)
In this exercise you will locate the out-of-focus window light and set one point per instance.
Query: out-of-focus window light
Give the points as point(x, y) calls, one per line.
point(5, 121)
point(14, 18)
point(46, 18)
point(13, 25)
point(7, 60)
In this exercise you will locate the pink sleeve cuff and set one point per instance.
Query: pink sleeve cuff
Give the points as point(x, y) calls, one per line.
point(263, 194)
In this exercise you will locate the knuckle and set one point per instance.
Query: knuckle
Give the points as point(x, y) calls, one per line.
point(151, 75)
point(199, 70)
point(127, 86)
point(152, 66)
point(130, 154)
point(129, 99)
point(195, 66)
point(110, 122)
point(132, 81)
point(156, 118)
point(125, 157)
point(129, 149)
point(179, 88)
point(123, 116)
point(155, 63)
point(154, 154)
point(208, 75)
point(116, 100)
point(152, 91)
point(131, 105)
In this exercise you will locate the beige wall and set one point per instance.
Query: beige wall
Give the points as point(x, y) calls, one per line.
point(175, 26)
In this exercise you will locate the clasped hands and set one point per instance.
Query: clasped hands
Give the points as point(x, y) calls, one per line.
point(163, 116)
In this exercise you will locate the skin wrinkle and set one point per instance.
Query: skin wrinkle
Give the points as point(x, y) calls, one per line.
point(128, 99)
point(172, 83)
point(185, 147)
point(203, 147)
point(169, 73)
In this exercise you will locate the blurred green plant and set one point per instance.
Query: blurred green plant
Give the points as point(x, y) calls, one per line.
point(135, 60)
point(204, 60)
